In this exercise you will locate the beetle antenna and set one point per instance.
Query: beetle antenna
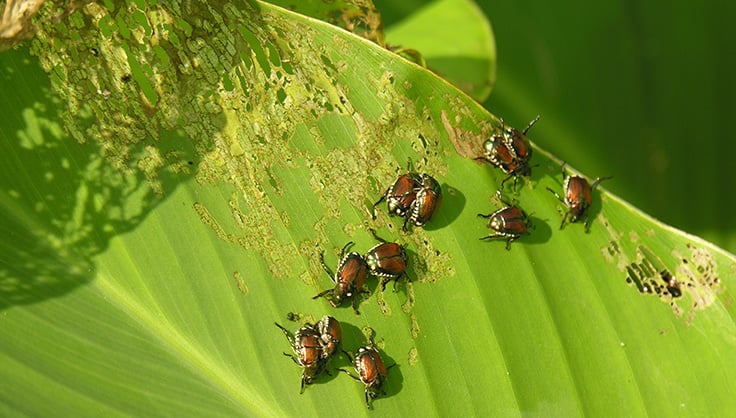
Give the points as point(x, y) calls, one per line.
point(556, 194)
point(530, 124)
point(345, 248)
point(373, 209)
point(373, 232)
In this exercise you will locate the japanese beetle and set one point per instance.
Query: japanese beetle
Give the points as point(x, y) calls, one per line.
point(400, 196)
point(510, 151)
point(308, 352)
point(349, 278)
point(330, 335)
point(577, 197)
point(371, 371)
point(509, 222)
point(387, 260)
point(428, 199)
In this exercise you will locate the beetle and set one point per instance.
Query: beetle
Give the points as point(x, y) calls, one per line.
point(330, 335)
point(308, 352)
point(509, 222)
point(349, 278)
point(387, 260)
point(371, 370)
point(427, 201)
point(413, 196)
point(578, 197)
point(401, 194)
point(510, 151)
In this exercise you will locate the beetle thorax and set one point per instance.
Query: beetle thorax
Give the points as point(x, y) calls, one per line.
point(497, 222)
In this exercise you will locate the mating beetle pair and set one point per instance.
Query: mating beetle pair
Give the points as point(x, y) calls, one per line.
point(578, 197)
point(510, 151)
point(386, 259)
point(313, 346)
point(413, 196)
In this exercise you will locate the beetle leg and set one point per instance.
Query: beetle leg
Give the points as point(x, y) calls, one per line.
point(406, 219)
point(504, 182)
point(598, 180)
point(510, 240)
point(344, 249)
point(322, 293)
point(493, 236)
point(355, 304)
point(562, 169)
point(350, 374)
point(396, 281)
point(373, 210)
point(501, 125)
point(293, 358)
point(499, 196)
point(587, 224)
point(368, 399)
point(303, 384)
point(564, 218)
point(556, 195)
point(286, 332)
point(373, 232)
point(325, 268)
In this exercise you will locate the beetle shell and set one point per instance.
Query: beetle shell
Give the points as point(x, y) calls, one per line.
point(428, 200)
point(509, 151)
point(387, 259)
point(349, 277)
point(401, 195)
point(308, 352)
point(510, 221)
point(371, 370)
point(330, 334)
point(577, 196)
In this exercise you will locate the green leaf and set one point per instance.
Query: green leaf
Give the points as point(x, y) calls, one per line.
point(455, 39)
point(636, 90)
point(143, 270)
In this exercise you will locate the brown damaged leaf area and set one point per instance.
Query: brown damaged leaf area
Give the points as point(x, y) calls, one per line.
point(272, 108)
point(467, 143)
point(690, 285)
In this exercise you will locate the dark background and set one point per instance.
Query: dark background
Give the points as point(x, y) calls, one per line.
point(641, 90)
